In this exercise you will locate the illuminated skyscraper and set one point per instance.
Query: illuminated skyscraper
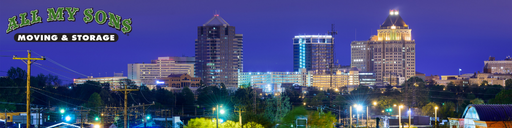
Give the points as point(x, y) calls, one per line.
point(312, 52)
point(219, 53)
point(390, 53)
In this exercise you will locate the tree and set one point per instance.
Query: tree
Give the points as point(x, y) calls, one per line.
point(294, 95)
point(508, 84)
point(253, 125)
point(318, 100)
point(503, 97)
point(321, 119)
point(200, 123)
point(447, 110)
point(94, 103)
point(229, 124)
point(429, 109)
point(276, 108)
point(477, 101)
point(386, 102)
point(186, 98)
point(289, 118)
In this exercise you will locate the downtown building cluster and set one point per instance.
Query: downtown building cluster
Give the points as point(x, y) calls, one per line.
point(218, 61)
point(388, 58)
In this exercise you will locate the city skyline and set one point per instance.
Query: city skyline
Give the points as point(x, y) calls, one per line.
point(441, 46)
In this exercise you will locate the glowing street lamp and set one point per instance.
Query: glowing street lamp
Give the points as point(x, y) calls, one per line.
point(221, 112)
point(409, 112)
point(435, 109)
point(62, 111)
point(400, 115)
point(68, 118)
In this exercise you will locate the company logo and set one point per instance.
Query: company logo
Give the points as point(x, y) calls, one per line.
point(100, 17)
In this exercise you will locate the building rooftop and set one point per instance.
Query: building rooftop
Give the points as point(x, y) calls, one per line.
point(394, 19)
point(488, 112)
point(216, 20)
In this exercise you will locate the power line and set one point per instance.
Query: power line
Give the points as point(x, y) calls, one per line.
point(50, 60)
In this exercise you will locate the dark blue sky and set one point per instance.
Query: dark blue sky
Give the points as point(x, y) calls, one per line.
point(449, 34)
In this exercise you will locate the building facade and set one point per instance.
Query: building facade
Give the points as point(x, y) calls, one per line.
point(390, 53)
point(342, 78)
point(112, 81)
point(147, 73)
point(498, 66)
point(179, 81)
point(301, 78)
point(272, 81)
point(313, 52)
point(219, 53)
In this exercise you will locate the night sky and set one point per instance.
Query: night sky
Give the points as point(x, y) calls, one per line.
point(449, 34)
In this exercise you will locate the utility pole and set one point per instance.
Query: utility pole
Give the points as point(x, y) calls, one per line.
point(126, 91)
point(144, 111)
point(217, 121)
point(29, 63)
point(240, 116)
point(166, 113)
point(350, 116)
point(81, 116)
point(339, 114)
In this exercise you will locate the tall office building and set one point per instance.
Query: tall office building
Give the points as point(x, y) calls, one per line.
point(390, 53)
point(219, 53)
point(312, 52)
point(148, 73)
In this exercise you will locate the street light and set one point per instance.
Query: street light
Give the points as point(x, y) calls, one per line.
point(409, 112)
point(435, 109)
point(62, 111)
point(400, 115)
point(374, 103)
point(68, 118)
point(221, 112)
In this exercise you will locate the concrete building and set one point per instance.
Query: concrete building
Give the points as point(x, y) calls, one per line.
point(313, 52)
point(342, 78)
point(147, 73)
point(272, 81)
point(219, 53)
point(176, 82)
point(498, 66)
point(459, 80)
point(390, 53)
point(492, 79)
point(367, 78)
point(112, 81)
